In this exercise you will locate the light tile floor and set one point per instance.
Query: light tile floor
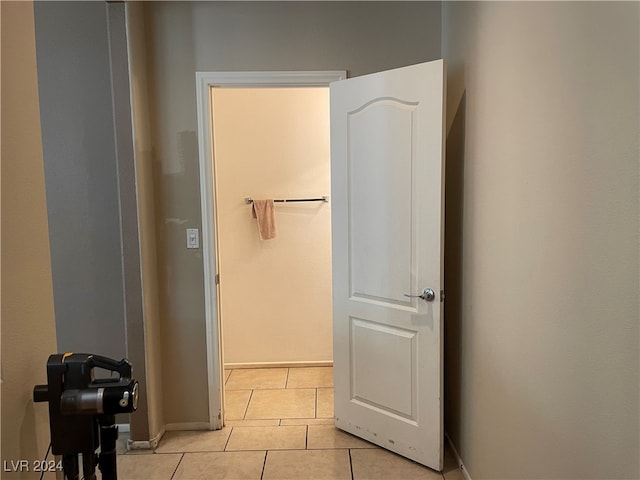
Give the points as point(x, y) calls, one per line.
point(279, 425)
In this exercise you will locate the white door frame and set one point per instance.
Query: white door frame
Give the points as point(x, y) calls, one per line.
point(204, 82)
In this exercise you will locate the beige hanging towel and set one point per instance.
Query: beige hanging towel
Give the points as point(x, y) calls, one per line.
point(264, 213)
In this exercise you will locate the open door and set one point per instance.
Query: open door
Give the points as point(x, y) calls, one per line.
point(387, 154)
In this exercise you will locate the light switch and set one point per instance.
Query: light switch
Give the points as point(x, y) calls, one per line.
point(193, 239)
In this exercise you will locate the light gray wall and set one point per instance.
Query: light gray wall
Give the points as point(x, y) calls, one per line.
point(542, 320)
point(185, 37)
point(92, 183)
point(81, 176)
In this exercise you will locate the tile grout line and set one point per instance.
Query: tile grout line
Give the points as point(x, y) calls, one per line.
point(177, 466)
point(350, 463)
point(226, 444)
point(264, 464)
point(246, 409)
point(286, 382)
point(273, 388)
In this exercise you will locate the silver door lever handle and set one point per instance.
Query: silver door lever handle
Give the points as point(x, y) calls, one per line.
point(427, 294)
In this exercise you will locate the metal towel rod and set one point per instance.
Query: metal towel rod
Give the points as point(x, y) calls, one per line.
point(324, 198)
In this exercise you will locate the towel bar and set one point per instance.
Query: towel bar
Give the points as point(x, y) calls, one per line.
point(324, 198)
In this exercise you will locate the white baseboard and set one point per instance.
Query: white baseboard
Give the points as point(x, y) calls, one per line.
point(150, 444)
point(156, 439)
point(229, 366)
point(138, 445)
point(461, 466)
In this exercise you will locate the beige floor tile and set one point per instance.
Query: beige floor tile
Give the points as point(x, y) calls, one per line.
point(147, 467)
point(372, 464)
point(328, 436)
point(51, 475)
point(325, 403)
point(308, 465)
point(453, 474)
point(235, 404)
point(252, 378)
point(282, 403)
point(139, 451)
point(310, 377)
point(252, 423)
point(306, 421)
point(226, 375)
point(194, 441)
point(221, 465)
point(267, 438)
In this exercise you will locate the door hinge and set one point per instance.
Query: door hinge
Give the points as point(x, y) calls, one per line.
point(442, 295)
point(217, 279)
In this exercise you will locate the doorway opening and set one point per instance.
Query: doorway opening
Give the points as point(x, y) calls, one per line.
point(272, 298)
point(274, 294)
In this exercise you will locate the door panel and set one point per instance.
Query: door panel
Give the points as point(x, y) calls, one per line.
point(378, 194)
point(387, 191)
point(379, 345)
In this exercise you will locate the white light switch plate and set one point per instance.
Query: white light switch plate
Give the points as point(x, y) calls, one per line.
point(193, 238)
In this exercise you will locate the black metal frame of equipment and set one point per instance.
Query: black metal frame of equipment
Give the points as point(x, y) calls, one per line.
point(82, 411)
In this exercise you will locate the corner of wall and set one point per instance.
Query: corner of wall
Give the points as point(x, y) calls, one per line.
point(148, 337)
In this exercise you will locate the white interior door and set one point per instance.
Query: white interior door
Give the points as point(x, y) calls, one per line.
point(387, 208)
